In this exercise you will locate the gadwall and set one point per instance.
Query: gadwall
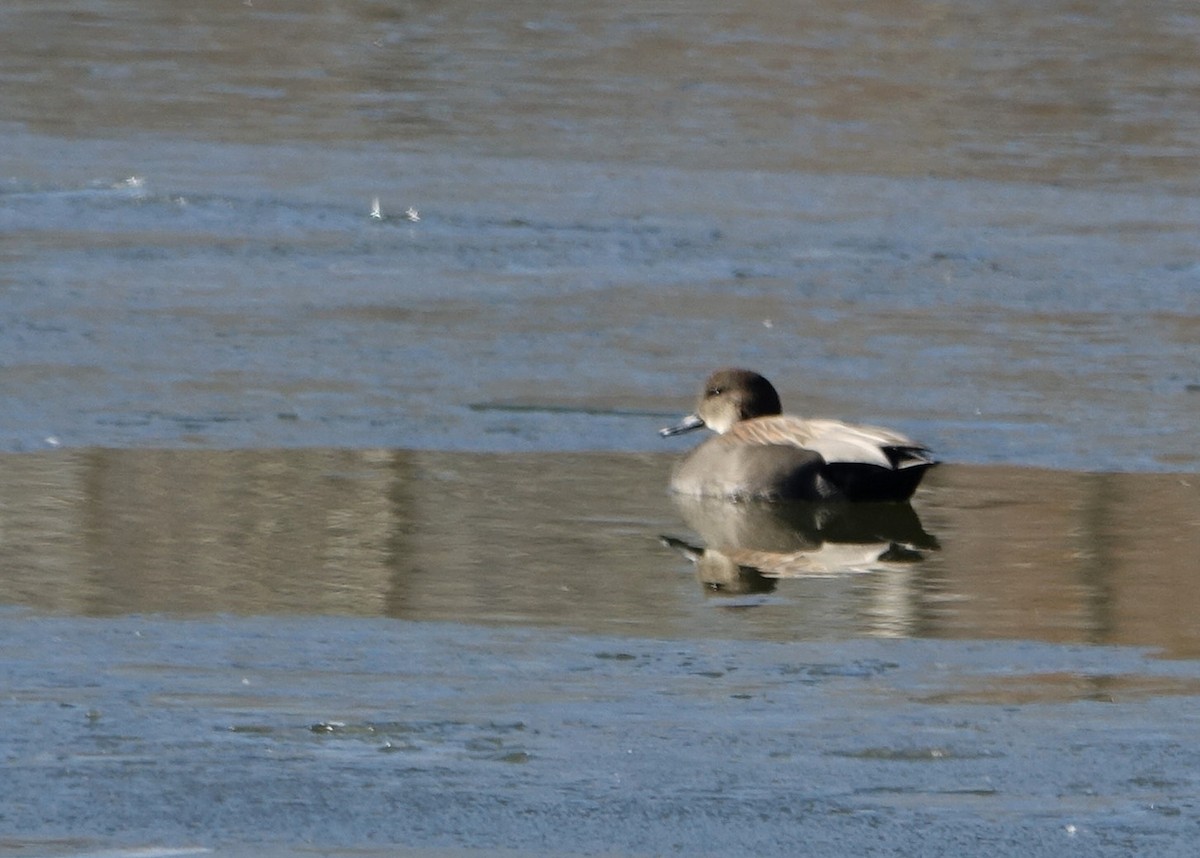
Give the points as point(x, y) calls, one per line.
point(759, 452)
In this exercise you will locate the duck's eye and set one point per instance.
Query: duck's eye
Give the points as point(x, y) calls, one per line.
point(713, 391)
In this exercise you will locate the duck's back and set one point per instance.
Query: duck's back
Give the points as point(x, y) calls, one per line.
point(833, 440)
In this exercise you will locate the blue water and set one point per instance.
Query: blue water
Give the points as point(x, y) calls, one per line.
point(974, 222)
point(150, 315)
point(983, 236)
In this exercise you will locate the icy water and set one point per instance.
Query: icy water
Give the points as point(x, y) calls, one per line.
point(331, 533)
point(339, 649)
point(975, 223)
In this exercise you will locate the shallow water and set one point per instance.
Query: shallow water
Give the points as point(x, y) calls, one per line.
point(359, 544)
point(348, 649)
point(982, 553)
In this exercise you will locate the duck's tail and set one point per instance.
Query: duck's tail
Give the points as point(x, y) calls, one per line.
point(904, 457)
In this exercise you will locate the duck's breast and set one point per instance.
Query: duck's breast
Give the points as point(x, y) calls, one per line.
point(719, 468)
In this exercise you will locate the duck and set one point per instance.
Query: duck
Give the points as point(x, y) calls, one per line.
point(761, 453)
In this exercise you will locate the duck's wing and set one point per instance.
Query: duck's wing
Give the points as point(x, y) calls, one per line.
point(835, 441)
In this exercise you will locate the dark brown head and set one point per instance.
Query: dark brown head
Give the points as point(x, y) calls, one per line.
point(729, 396)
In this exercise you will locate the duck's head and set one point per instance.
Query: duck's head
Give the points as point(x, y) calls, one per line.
point(729, 396)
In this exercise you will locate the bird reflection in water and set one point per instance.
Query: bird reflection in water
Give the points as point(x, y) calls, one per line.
point(749, 546)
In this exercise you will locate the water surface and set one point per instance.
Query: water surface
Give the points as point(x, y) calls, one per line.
point(982, 553)
point(359, 544)
point(974, 222)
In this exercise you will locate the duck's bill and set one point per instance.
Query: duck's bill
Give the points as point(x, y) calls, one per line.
point(687, 424)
